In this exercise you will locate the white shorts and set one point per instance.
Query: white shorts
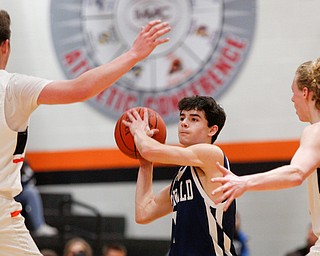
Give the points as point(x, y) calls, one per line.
point(15, 239)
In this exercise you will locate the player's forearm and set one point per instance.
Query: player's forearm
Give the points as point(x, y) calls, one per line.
point(279, 178)
point(100, 78)
point(144, 194)
point(89, 83)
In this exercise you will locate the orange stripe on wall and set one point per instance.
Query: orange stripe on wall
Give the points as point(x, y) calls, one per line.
point(80, 160)
point(113, 158)
point(260, 151)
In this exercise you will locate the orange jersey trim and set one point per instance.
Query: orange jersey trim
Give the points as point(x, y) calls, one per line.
point(15, 213)
point(18, 160)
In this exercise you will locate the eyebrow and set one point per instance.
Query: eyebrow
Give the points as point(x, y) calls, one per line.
point(193, 115)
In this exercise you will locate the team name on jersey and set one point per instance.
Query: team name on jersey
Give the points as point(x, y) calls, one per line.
point(182, 193)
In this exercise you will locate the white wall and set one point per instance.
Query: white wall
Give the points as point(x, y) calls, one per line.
point(257, 103)
point(258, 107)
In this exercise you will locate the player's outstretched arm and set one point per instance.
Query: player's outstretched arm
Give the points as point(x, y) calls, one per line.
point(98, 79)
point(304, 162)
point(234, 186)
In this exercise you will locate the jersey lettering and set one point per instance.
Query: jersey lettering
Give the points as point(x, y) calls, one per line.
point(184, 193)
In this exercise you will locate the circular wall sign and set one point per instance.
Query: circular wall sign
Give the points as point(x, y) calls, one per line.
point(209, 42)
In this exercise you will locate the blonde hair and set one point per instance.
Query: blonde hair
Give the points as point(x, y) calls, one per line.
point(308, 75)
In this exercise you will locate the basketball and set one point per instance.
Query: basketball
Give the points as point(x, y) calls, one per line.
point(124, 139)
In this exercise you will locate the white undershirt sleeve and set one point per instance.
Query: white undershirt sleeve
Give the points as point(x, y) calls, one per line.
point(21, 99)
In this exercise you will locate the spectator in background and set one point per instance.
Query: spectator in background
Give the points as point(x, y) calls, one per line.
point(48, 252)
point(32, 203)
point(310, 241)
point(240, 239)
point(77, 246)
point(114, 249)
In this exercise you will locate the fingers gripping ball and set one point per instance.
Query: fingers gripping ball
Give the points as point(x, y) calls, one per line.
point(124, 139)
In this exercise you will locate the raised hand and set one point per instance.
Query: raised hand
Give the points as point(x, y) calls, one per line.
point(232, 186)
point(149, 38)
point(136, 123)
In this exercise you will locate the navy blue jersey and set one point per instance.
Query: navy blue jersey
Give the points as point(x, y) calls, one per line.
point(199, 226)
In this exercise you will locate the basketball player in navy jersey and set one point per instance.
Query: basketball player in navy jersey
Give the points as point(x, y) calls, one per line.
point(305, 164)
point(199, 226)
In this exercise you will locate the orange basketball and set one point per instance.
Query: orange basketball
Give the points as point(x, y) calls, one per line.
point(124, 139)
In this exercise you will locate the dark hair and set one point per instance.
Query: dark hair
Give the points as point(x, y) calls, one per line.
point(214, 113)
point(5, 32)
point(114, 246)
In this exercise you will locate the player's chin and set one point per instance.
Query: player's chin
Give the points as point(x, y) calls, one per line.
point(184, 140)
point(302, 118)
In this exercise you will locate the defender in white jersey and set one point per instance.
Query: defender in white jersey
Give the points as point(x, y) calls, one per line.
point(306, 160)
point(199, 226)
point(20, 95)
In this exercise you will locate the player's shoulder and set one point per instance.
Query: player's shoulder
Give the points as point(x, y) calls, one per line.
point(311, 133)
point(207, 149)
point(5, 77)
point(312, 128)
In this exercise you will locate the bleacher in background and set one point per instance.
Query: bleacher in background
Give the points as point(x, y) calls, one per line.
point(92, 226)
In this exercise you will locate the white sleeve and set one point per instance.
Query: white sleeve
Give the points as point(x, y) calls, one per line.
point(21, 99)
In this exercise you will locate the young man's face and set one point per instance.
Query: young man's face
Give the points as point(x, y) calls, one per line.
point(299, 101)
point(193, 128)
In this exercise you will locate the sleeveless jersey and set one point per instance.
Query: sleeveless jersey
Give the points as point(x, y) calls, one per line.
point(199, 226)
point(313, 182)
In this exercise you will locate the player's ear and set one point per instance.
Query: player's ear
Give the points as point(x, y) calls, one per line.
point(213, 130)
point(305, 91)
point(5, 46)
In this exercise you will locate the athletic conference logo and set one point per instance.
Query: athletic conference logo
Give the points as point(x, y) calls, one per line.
point(208, 45)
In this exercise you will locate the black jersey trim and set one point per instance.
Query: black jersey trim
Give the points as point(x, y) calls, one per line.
point(22, 138)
